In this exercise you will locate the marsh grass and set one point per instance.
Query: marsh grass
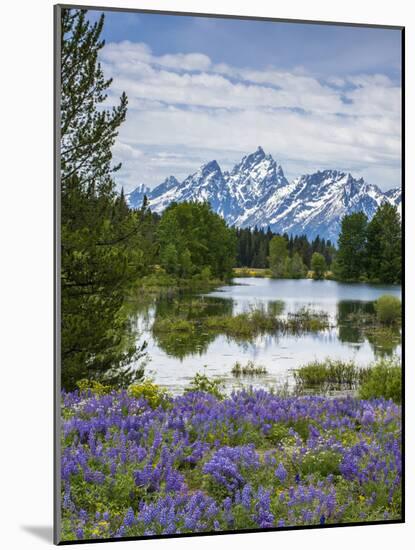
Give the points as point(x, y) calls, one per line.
point(328, 375)
point(381, 379)
point(250, 369)
point(246, 325)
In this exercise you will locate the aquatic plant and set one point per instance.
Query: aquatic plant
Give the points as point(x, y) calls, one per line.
point(327, 375)
point(250, 369)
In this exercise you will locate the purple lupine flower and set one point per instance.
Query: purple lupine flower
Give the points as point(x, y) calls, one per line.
point(265, 518)
point(114, 434)
point(281, 472)
point(368, 417)
point(246, 496)
point(129, 519)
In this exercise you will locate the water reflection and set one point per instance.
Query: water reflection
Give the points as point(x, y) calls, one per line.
point(177, 356)
point(356, 324)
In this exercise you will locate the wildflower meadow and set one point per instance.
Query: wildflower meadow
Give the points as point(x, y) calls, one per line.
point(133, 466)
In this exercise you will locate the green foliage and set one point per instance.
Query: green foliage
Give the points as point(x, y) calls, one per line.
point(93, 387)
point(201, 382)
point(278, 254)
point(253, 250)
point(296, 267)
point(194, 240)
point(384, 245)
point(251, 272)
point(351, 255)
point(169, 258)
point(87, 133)
point(152, 393)
point(370, 251)
point(279, 432)
point(322, 463)
point(388, 309)
point(101, 252)
point(318, 265)
point(384, 379)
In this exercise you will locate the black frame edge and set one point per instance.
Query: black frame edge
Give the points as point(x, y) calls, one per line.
point(56, 282)
point(228, 16)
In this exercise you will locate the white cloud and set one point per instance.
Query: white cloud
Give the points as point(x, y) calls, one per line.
point(184, 110)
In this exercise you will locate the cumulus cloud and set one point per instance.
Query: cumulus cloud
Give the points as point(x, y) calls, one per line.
point(184, 110)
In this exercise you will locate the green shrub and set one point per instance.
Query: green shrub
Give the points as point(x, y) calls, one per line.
point(388, 309)
point(152, 393)
point(201, 382)
point(384, 379)
point(93, 387)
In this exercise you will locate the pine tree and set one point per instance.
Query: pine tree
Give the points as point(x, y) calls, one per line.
point(352, 254)
point(384, 245)
point(98, 261)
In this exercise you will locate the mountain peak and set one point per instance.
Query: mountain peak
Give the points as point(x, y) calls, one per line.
point(256, 192)
point(170, 180)
point(209, 167)
point(135, 198)
point(257, 155)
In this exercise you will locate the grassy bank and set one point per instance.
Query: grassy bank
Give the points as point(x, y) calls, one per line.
point(160, 282)
point(267, 273)
point(251, 272)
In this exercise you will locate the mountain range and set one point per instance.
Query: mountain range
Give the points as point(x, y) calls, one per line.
point(257, 193)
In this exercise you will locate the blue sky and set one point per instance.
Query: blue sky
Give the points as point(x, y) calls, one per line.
point(314, 96)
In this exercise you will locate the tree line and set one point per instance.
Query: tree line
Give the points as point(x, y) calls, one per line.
point(370, 250)
point(253, 247)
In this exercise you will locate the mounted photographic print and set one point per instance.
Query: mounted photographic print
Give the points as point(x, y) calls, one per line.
point(229, 335)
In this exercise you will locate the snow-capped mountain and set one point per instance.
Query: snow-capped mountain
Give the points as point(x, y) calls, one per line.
point(256, 192)
point(317, 202)
point(395, 197)
point(135, 198)
point(251, 183)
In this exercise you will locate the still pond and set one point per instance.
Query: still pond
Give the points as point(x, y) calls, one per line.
point(175, 359)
